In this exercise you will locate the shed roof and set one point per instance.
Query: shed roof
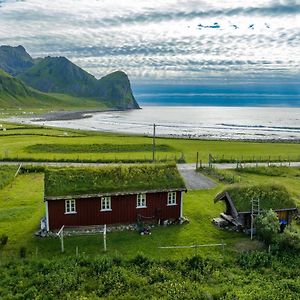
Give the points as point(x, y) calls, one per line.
point(271, 196)
point(60, 182)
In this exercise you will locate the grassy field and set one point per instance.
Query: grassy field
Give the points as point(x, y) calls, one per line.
point(23, 142)
point(134, 267)
point(21, 206)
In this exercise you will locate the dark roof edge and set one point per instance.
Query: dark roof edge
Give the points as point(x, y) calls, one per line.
point(48, 198)
point(276, 209)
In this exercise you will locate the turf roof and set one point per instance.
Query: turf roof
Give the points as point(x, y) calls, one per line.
point(109, 179)
point(271, 196)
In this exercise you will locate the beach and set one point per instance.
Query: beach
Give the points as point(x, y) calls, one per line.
point(194, 122)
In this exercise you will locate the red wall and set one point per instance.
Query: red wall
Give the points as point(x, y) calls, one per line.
point(123, 210)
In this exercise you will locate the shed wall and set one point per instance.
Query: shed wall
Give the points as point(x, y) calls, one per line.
point(123, 210)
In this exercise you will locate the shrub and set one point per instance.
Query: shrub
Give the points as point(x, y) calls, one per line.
point(267, 226)
point(289, 239)
point(3, 239)
point(141, 261)
point(255, 259)
point(220, 175)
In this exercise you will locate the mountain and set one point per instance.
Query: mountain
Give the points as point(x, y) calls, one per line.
point(15, 60)
point(60, 75)
point(14, 93)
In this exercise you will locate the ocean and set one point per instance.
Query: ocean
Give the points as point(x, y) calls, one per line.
point(201, 122)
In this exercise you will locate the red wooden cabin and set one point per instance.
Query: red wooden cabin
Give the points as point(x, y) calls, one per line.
point(145, 192)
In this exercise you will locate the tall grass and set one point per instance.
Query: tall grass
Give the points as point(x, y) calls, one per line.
point(7, 174)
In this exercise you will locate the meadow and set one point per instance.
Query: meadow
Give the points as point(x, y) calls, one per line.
point(21, 206)
point(134, 267)
point(24, 142)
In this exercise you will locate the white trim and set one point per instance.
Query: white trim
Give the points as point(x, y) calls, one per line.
point(173, 198)
point(71, 213)
point(47, 215)
point(71, 202)
point(181, 205)
point(107, 203)
point(141, 198)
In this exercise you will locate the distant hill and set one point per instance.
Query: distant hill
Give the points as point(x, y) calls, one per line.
point(14, 93)
point(14, 60)
point(60, 75)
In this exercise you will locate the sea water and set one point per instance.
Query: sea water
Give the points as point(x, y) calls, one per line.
point(204, 122)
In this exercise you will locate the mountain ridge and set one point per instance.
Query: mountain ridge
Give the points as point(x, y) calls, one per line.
point(60, 75)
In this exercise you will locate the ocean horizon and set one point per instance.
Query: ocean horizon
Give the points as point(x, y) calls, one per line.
point(219, 95)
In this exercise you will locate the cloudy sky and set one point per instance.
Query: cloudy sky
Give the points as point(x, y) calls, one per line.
point(165, 41)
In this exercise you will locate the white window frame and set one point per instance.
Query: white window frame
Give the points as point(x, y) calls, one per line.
point(70, 206)
point(171, 199)
point(105, 203)
point(141, 201)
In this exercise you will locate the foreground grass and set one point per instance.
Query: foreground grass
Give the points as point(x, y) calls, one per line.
point(249, 276)
point(19, 141)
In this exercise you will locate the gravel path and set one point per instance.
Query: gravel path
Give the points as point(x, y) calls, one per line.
point(195, 180)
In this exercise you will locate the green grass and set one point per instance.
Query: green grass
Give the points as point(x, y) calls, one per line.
point(7, 174)
point(96, 148)
point(271, 196)
point(14, 144)
point(80, 181)
point(23, 206)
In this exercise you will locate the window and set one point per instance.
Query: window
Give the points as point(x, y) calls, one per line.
point(105, 204)
point(141, 201)
point(172, 198)
point(70, 206)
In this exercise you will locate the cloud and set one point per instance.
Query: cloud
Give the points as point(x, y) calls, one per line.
point(161, 40)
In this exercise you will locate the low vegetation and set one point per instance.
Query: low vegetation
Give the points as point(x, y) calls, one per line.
point(272, 196)
point(16, 140)
point(268, 230)
point(7, 174)
point(256, 275)
point(270, 171)
point(96, 148)
point(220, 175)
point(78, 181)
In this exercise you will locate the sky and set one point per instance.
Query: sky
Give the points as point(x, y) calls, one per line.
point(163, 41)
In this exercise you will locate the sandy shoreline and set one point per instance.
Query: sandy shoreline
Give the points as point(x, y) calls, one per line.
point(70, 115)
point(172, 122)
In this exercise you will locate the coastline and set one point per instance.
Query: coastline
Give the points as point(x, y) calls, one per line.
point(192, 123)
point(72, 114)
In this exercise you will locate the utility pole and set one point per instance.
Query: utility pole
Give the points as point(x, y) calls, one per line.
point(153, 144)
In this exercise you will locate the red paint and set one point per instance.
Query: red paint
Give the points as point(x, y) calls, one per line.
point(123, 210)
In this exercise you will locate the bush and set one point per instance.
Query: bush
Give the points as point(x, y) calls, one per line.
point(254, 260)
point(220, 175)
point(3, 239)
point(267, 227)
point(290, 239)
point(22, 252)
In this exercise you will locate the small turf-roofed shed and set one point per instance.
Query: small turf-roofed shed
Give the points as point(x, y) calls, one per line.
point(239, 208)
point(112, 194)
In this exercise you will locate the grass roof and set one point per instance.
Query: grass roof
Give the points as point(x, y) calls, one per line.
point(110, 179)
point(271, 196)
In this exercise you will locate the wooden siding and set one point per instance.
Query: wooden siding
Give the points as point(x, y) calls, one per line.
point(285, 215)
point(123, 210)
